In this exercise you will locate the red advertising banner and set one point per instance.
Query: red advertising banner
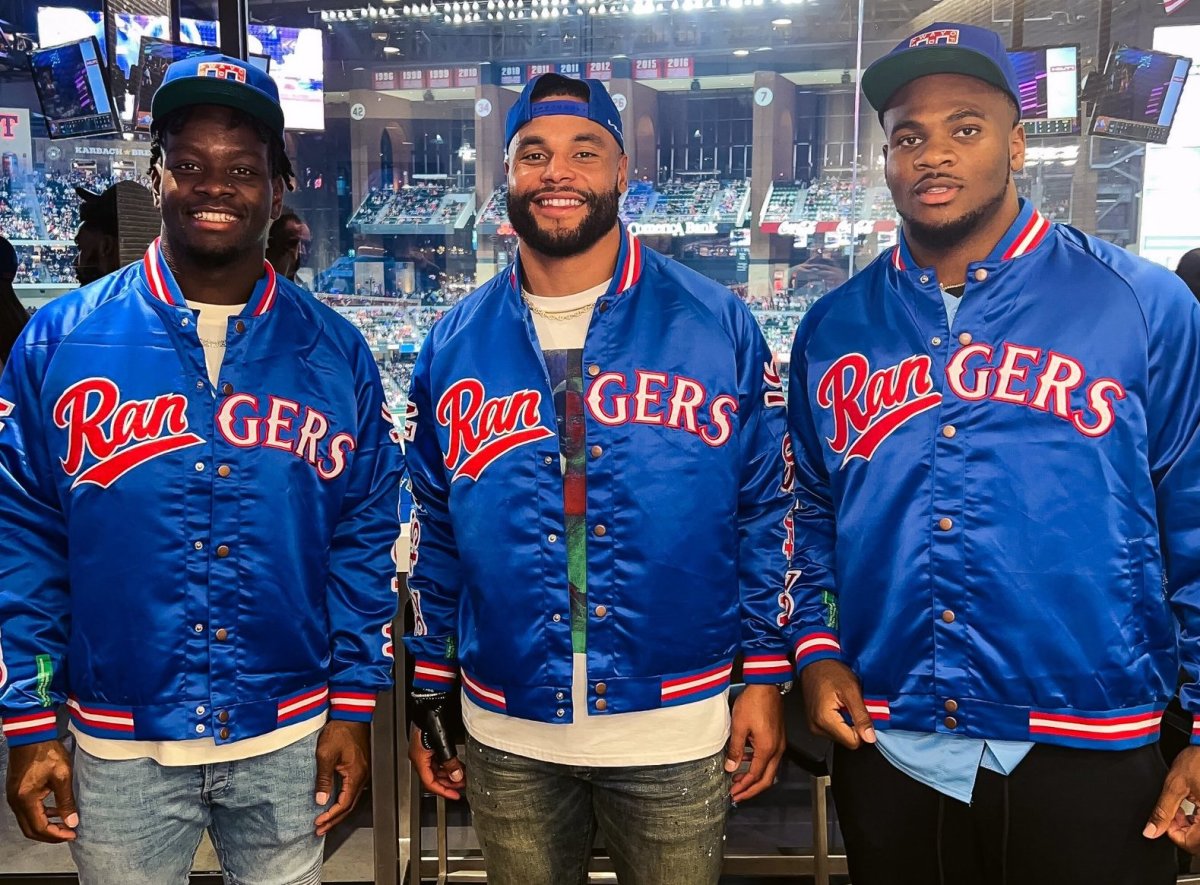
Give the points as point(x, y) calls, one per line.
point(648, 69)
point(680, 69)
point(468, 76)
point(412, 79)
point(543, 68)
point(384, 79)
point(599, 70)
point(437, 78)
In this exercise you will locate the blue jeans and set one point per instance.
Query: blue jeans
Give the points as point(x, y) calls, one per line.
point(140, 822)
point(536, 821)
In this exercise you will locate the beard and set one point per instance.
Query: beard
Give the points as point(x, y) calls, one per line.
point(214, 255)
point(601, 217)
point(948, 234)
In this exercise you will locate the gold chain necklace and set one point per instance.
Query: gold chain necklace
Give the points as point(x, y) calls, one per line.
point(558, 315)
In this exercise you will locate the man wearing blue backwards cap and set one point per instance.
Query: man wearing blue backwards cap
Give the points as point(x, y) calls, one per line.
point(996, 453)
point(600, 529)
point(197, 457)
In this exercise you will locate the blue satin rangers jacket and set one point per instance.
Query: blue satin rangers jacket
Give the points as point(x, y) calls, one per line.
point(687, 499)
point(984, 514)
point(179, 561)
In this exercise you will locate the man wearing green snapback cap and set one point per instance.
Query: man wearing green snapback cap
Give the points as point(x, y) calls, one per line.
point(200, 459)
point(994, 427)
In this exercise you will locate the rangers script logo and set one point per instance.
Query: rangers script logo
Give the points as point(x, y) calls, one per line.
point(119, 435)
point(483, 430)
point(873, 405)
point(6, 409)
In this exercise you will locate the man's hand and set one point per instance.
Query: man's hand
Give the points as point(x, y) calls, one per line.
point(443, 779)
point(34, 772)
point(829, 688)
point(757, 720)
point(344, 747)
point(1182, 782)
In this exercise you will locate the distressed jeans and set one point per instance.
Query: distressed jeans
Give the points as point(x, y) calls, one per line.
point(140, 822)
point(536, 821)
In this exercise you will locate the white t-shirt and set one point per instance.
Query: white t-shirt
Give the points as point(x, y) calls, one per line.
point(650, 737)
point(212, 324)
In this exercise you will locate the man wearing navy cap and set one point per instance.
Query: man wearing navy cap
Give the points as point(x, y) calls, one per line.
point(600, 531)
point(994, 427)
point(198, 492)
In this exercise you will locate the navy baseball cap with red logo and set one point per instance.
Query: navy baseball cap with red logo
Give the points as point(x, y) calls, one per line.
point(219, 79)
point(599, 108)
point(941, 48)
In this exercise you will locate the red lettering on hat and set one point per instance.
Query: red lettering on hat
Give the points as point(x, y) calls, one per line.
point(948, 36)
point(222, 70)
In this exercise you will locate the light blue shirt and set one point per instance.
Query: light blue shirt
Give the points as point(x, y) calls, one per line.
point(949, 763)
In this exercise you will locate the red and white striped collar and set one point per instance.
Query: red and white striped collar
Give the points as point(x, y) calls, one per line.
point(163, 286)
point(1024, 235)
point(628, 269)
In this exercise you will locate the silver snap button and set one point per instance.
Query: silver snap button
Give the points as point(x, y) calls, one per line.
point(924, 278)
point(200, 711)
point(199, 628)
point(556, 618)
point(560, 712)
point(551, 537)
point(199, 545)
point(199, 466)
point(935, 341)
point(185, 321)
point(199, 729)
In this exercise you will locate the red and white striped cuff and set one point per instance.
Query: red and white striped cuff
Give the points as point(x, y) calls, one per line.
point(817, 645)
point(437, 675)
point(758, 669)
point(353, 705)
point(29, 728)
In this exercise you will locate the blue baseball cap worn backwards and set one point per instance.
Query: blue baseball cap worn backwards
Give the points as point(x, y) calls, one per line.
point(219, 79)
point(941, 48)
point(599, 108)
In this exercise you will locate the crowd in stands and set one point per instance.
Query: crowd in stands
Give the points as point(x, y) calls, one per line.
point(59, 202)
point(45, 264)
point(367, 211)
point(637, 200)
point(710, 200)
point(17, 220)
point(829, 198)
point(782, 202)
point(55, 201)
point(495, 211)
point(396, 372)
point(410, 204)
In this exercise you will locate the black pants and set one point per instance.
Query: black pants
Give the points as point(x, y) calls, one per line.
point(1064, 817)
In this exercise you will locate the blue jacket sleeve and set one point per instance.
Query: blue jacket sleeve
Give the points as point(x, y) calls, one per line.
point(434, 571)
point(1173, 425)
point(764, 502)
point(811, 580)
point(362, 576)
point(34, 590)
